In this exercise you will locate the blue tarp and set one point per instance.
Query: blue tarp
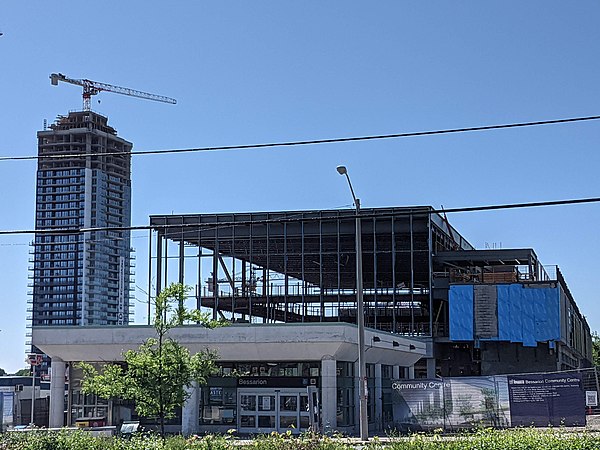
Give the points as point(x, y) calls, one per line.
point(526, 314)
point(510, 314)
point(461, 312)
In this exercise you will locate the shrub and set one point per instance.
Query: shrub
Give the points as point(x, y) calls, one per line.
point(487, 439)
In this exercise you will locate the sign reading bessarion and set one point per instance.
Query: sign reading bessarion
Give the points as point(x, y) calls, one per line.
point(267, 382)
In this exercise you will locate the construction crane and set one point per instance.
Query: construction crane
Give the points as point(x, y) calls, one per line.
point(94, 87)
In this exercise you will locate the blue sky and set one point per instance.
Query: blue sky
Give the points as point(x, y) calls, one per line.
point(249, 72)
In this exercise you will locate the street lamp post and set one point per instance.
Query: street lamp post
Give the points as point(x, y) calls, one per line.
point(360, 318)
point(32, 423)
point(35, 360)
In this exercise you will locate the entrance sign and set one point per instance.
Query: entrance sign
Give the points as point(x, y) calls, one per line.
point(284, 382)
point(546, 399)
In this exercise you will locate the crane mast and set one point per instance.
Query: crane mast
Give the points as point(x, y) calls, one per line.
point(94, 87)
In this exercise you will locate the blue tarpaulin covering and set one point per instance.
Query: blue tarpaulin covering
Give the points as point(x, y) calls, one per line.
point(533, 314)
point(461, 312)
point(526, 314)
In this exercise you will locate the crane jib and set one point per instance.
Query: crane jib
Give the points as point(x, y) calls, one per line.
point(91, 87)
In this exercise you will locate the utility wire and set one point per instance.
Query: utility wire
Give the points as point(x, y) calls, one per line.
point(206, 226)
point(307, 142)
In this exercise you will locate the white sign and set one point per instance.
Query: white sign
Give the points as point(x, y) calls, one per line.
point(7, 408)
point(591, 398)
point(266, 403)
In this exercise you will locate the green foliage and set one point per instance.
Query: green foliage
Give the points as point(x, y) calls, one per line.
point(485, 439)
point(156, 374)
point(2, 372)
point(41, 440)
point(306, 441)
point(490, 439)
point(23, 373)
point(596, 349)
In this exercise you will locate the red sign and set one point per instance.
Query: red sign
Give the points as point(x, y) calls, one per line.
point(34, 359)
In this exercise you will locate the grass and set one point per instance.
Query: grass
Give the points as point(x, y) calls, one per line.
point(485, 439)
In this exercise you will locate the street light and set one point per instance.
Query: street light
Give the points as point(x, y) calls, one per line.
point(360, 319)
point(35, 360)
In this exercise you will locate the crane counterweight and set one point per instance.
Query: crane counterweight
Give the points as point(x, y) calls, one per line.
point(94, 87)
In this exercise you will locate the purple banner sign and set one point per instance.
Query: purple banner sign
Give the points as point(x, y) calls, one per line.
point(546, 399)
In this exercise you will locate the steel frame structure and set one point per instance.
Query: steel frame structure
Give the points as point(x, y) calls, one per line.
point(300, 266)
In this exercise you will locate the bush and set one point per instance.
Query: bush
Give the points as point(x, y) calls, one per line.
point(519, 439)
point(490, 439)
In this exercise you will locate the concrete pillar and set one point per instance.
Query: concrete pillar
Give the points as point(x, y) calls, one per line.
point(396, 372)
point(190, 413)
point(57, 394)
point(411, 372)
point(378, 399)
point(430, 367)
point(328, 394)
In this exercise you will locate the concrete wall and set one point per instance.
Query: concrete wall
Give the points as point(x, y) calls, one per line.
point(504, 357)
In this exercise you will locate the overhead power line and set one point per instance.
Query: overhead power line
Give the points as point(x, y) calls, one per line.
point(365, 214)
point(309, 142)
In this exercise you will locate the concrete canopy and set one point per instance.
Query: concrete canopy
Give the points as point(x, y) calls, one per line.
point(238, 342)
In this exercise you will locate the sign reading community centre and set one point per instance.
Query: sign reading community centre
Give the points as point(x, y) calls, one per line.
point(496, 401)
point(546, 399)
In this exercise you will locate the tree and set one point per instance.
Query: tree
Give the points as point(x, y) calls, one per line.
point(23, 373)
point(156, 374)
point(2, 372)
point(596, 349)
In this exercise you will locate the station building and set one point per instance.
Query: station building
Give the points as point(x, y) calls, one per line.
point(286, 281)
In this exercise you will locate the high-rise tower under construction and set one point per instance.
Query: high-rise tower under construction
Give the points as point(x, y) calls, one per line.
point(83, 181)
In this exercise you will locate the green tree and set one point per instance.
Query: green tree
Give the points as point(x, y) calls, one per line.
point(596, 349)
point(2, 372)
point(23, 373)
point(156, 374)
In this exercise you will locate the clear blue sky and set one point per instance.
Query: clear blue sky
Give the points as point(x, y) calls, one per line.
point(261, 71)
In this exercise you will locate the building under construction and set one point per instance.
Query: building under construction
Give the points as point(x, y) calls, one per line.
point(421, 278)
point(287, 283)
point(82, 279)
point(301, 266)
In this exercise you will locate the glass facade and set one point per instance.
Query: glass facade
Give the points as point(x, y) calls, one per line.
point(387, 418)
point(218, 402)
point(345, 394)
point(259, 396)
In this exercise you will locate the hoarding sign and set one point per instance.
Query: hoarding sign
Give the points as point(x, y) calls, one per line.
point(418, 404)
point(546, 399)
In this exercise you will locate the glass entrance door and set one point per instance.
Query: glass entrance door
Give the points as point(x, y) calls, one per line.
point(267, 410)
